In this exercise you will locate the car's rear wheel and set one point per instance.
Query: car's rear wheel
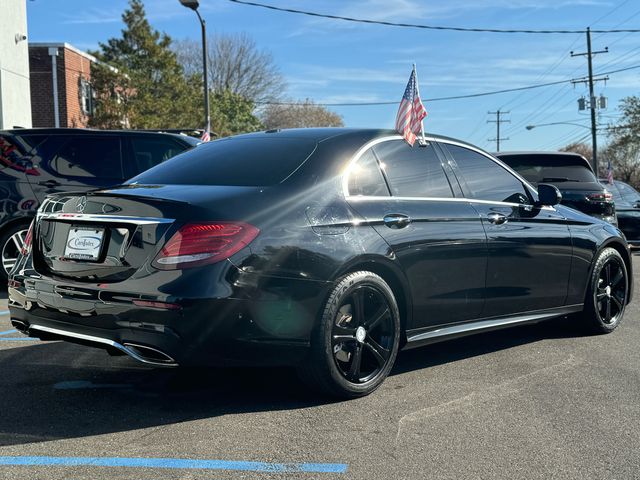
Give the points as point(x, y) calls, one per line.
point(356, 341)
point(607, 294)
point(11, 242)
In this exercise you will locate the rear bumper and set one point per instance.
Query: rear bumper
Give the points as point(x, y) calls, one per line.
point(258, 322)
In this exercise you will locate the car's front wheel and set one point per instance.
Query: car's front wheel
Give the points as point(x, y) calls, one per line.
point(607, 294)
point(356, 341)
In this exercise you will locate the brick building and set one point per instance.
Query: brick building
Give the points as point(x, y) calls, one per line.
point(71, 79)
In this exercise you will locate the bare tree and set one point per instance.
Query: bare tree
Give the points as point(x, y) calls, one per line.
point(236, 65)
point(625, 161)
point(299, 115)
point(579, 148)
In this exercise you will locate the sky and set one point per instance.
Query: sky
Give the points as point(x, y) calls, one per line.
point(332, 61)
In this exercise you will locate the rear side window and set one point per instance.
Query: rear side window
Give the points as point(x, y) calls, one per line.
point(550, 168)
point(149, 151)
point(84, 156)
point(413, 171)
point(242, 161)
point(485, 179)
point(365, 177)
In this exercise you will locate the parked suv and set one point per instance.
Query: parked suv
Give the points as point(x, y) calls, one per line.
point(627, 200)
point(573, 176)
point(38, 162)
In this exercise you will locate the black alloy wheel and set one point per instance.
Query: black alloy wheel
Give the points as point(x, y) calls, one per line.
point(363, 334)
point(356, 342)
point(607, 297)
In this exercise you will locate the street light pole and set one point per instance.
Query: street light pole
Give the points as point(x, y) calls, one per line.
point(193, 5)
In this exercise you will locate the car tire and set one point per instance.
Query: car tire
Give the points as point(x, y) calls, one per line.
point(355, 343)
point(606, 298)
point(10, 243)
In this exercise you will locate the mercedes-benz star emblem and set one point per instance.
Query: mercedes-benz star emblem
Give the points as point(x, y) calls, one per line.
point(82, 204)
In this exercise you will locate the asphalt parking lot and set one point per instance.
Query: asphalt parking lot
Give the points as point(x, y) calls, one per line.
point(542, 401)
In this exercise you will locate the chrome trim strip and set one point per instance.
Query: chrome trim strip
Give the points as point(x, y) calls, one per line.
point(103, 218)
point(438, 199)
point(471, 327)
point(103, 341)
point(367, 146)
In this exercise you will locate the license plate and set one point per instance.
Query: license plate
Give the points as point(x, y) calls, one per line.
point(84, 243)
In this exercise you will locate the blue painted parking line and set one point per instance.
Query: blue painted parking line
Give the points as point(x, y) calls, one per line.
point(176, 463)
point(4, 312)
point(19, 339)
point(7, 332)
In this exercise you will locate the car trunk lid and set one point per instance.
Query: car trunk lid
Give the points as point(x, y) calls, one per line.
point(108, 235)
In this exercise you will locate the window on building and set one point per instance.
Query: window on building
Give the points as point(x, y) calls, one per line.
point(87, 103)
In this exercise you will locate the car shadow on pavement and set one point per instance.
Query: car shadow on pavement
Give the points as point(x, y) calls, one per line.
point(56, 390)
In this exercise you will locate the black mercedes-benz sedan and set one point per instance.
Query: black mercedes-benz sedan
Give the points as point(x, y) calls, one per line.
point(327, 249)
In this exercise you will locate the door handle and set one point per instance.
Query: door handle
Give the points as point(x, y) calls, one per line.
point(497, 218)
point(50, 184)
point(396, 220)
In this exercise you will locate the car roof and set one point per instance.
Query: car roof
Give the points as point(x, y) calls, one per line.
point(95, 131)
point(322, 134)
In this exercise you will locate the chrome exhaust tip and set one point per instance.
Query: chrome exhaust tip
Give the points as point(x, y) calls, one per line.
point(141, 353)
point(20, 326)
point(150, 354)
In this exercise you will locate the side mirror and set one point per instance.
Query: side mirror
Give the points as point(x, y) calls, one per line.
point(548, 195)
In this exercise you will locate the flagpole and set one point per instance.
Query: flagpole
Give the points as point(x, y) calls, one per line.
point(415, 74)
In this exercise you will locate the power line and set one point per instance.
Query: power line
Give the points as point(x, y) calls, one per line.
point(421, 26)
point(455, 97)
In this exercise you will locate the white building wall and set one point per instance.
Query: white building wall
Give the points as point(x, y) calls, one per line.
point(15, 99)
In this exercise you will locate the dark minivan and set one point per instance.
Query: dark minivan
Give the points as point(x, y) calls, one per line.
point(37, 162)
point(573, 176)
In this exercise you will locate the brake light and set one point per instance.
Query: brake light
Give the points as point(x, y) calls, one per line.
point(600, 197)
point(204, 243)
point(28, 240)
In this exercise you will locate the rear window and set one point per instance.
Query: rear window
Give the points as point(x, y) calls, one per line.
point(549, 168)
point(237, 161)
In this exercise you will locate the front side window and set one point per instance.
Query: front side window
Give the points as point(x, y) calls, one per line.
point(365, 177)
point(485, 179)
point(413, 171)
point(85, 156)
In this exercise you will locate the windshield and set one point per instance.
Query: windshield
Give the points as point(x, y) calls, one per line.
point(551, 168)
point(240, 161)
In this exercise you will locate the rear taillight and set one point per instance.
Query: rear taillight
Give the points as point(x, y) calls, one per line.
point(600, 197)
point(28, 240)
point(204, 243)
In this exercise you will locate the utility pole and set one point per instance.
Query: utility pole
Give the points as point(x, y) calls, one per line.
point(498, 121)
point(592, 98)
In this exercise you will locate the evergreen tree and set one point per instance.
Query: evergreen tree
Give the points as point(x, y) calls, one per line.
point(157, 93)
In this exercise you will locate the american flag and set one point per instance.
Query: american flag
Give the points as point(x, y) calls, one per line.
point(609, 173)
point(411, 111)
point(205, 136)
